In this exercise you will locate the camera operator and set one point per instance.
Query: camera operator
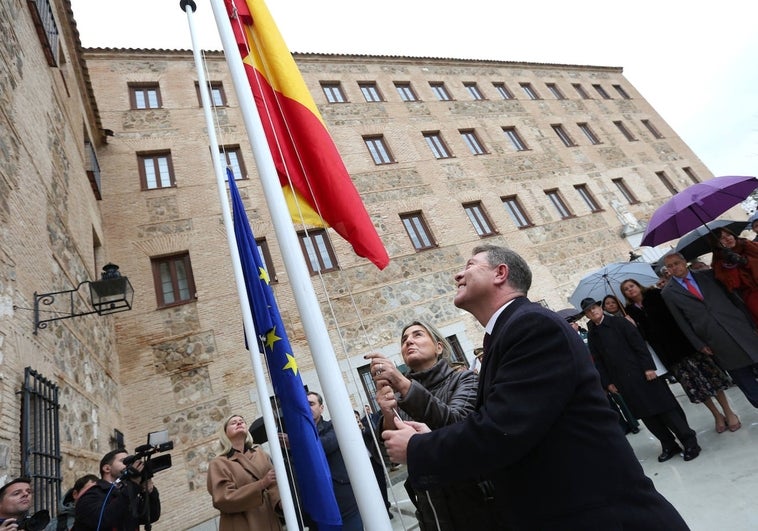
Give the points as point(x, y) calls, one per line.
point(15, 501)
point(121, 500)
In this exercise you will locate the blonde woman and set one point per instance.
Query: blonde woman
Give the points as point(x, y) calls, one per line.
point(242, 482)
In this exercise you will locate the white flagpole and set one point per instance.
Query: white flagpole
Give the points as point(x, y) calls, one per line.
point(288, 505)
point(365, 488)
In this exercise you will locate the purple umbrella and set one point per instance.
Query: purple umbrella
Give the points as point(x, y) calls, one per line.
point(695, 206)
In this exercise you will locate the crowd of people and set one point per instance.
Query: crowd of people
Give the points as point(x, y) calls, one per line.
point(541, 412)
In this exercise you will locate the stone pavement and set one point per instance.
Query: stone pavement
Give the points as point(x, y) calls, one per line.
point(717, 491)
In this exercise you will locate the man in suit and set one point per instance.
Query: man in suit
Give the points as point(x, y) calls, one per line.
point(714, 321)
point(542, 431)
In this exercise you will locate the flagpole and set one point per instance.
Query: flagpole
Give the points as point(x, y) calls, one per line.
point(372, 509)
point(288, 505)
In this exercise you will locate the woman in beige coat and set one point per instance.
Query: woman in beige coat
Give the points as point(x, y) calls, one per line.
point(242, 482)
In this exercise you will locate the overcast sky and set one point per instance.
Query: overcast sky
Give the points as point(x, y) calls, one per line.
point(695, 62)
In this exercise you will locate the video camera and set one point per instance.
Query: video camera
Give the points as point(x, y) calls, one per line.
point(35, 522)
point(157, 442)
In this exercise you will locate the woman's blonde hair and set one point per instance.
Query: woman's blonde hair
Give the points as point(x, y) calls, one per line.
point(436, 335)
point(226, 443)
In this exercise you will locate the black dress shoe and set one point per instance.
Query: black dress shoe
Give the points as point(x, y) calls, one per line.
point(691, 453)
point(668, 453)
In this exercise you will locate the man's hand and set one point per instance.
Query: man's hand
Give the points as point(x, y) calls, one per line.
point(707, 350)
point(9, 524)
point(650, 375)
point(396, 441)
point(284, 440)
point(612, 388)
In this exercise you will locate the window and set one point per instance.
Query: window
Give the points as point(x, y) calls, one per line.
point(691, 174)
point(478, 217)
point(378, 149)
point(47, 32)
point(318, 251)
point(503, 90)
point(232, 158)
point(622, 92)
point(40, 444)
point(265, 255)
point(144, 96)
point(653, 130)
point(563, 135)
point(364, 373)
point(333, 92)
point(600, 90)
point(457, 354)
point(440, 91)
point(370, 92)
point(172, 276)
point(472, 141)
point(666, 182)
point(516, 211)
point(588, 198)
point(437, 145)
point(553, 88)
point(624, 131)
point(417, 230)
point(218, 97)
point(559, 203)
point(589, 133)
point(515, 139)
point(621, 185)
point(406, 91)
point(156, 170)
point(580, 90)
point(474, 91)
point(529, 90)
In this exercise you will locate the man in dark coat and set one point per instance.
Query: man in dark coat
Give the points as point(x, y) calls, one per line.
point(625, 365)
point(343, 491)
point(128, 500)
point(714, 322)
point(542, 431)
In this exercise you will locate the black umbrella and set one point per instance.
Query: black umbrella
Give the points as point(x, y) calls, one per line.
point(570, 314)
point(695, 243)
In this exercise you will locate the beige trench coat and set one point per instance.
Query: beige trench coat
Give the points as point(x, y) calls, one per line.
point(233, 484)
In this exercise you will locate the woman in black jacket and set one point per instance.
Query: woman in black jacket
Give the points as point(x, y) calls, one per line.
point(437, 395)
point(700, 376)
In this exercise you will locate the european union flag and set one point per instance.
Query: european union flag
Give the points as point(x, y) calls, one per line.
point(311, 468)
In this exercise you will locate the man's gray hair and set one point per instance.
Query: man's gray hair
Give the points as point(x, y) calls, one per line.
point(673, 253)
point(519, 274)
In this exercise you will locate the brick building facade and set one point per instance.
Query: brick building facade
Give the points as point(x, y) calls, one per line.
point(560, 162)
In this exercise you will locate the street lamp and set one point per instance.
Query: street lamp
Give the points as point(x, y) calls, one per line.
point(113, 293)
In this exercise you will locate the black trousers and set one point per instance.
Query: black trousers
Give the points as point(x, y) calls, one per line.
point(669, 426)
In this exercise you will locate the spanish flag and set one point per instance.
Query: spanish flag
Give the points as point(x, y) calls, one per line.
point(316, 184)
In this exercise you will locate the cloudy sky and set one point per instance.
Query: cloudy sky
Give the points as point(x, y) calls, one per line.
point(695, 62)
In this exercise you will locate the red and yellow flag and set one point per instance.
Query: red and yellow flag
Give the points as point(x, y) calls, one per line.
point(305, 156)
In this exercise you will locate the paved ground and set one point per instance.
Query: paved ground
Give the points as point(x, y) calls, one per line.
point(717, 491)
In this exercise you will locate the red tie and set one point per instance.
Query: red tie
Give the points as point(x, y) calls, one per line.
point(692, 289)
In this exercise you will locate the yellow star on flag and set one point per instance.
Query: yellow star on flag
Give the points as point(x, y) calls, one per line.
point(291, 364)
point(271, 338)
point(263, 275)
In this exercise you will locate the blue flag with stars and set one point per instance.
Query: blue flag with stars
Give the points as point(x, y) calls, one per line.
point(311, 468)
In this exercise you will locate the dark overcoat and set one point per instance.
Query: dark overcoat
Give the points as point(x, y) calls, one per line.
point(660, 329)
point(543, 432)
point(622, 358)
point(719, 321)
